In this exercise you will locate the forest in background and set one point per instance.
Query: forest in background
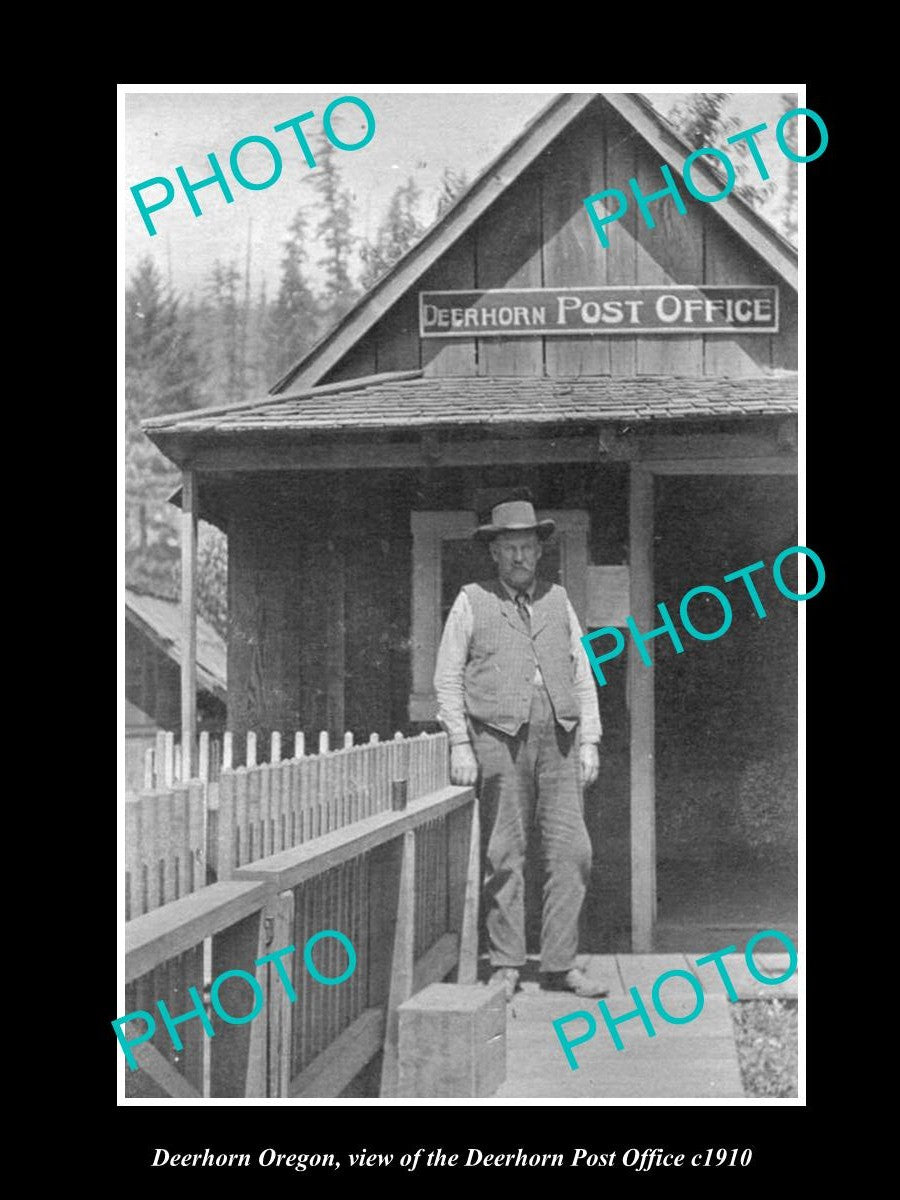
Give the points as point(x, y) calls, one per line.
point(227, 345)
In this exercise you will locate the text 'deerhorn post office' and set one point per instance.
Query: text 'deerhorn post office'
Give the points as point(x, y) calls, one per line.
point(539, 312)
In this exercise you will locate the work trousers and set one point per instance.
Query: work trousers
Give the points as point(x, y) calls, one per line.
point(532, 782)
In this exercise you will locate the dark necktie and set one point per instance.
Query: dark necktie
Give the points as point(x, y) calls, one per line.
point(522, 606)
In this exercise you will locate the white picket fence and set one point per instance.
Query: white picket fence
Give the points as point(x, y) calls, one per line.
point(163, 762)
point(179, 833)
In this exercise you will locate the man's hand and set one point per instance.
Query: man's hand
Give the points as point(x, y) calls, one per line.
point(590, 763)
point(463, 765)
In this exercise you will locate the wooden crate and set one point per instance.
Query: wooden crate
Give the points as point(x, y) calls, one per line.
point(453, 1041)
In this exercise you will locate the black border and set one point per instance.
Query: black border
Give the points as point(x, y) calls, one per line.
point(778, 1135)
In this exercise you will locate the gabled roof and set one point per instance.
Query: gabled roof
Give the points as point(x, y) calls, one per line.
point(411, 399)
point(552, 120)
point(160, 620)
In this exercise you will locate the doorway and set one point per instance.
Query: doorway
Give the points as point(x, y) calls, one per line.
point(726, 716)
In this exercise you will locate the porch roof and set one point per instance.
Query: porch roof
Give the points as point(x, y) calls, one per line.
point(410, 399)
point(159, 619)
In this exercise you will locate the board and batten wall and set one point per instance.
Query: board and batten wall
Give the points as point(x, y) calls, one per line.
point(319, 580)
point(317, 585)
point(537, 234)
point(320, 588)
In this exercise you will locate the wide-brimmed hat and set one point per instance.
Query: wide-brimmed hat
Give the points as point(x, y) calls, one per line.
point(515, 516)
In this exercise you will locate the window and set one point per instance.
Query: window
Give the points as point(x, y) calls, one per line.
point(445, 557)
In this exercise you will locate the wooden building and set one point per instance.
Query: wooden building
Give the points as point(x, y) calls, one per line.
point(153, 676)
point(666, 455)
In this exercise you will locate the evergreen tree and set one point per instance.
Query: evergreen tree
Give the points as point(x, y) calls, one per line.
point(292, 323)
point(788, 210)
point(453, 183)
point(151, 533)
point(212, 577)
point(258, 363)
point(230, 319)
point(334, 231)
point(163, 373)
point(701, 120)
point(159, 347)
point(400, 229)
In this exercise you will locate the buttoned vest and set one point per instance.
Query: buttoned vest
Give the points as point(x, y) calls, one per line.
point(499, 674)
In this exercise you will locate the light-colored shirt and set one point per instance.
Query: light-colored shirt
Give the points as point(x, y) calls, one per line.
point(453, 653)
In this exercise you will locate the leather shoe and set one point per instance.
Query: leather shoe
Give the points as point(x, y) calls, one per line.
point(509, 977)
point(573, 981)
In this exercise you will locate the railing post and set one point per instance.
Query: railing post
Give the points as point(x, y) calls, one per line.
point(159, 761)
point(253, 1059)
point(464, 870)
point(279, 918)
point(189, 524)
point(402, 963)
point(230, 1068)
point(203, 757)
point(225, 820)
point(168, 761)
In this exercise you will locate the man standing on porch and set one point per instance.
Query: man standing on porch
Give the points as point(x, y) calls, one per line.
point(516, 697)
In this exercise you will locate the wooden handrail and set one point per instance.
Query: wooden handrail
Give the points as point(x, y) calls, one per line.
point(292, 867)
point(316, 1041)
point(164, 932)
point(159, 935)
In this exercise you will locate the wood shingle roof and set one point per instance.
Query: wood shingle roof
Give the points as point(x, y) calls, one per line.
point(412, 399)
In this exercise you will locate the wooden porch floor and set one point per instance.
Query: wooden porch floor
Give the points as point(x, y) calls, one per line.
point(696, 1059)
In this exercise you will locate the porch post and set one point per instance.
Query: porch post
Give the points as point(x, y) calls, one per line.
point(336, 616)
point(641, 693)
point(188, 619)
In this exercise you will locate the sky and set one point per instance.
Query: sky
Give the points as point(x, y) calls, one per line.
point(417, 134)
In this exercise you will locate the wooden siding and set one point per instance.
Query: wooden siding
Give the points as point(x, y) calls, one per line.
point(537, 233)
point(319, 585)
point(320, 569)
point(509, 254)
point(455, 271)
point(264, 608)
point(569, 239)
point(319, 604)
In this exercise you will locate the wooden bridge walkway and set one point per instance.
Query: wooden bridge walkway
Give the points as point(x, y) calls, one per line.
point(370, 840)
point(696, 1059)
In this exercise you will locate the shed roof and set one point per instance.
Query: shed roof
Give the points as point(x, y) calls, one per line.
point(411, 399)
point(160, 620)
